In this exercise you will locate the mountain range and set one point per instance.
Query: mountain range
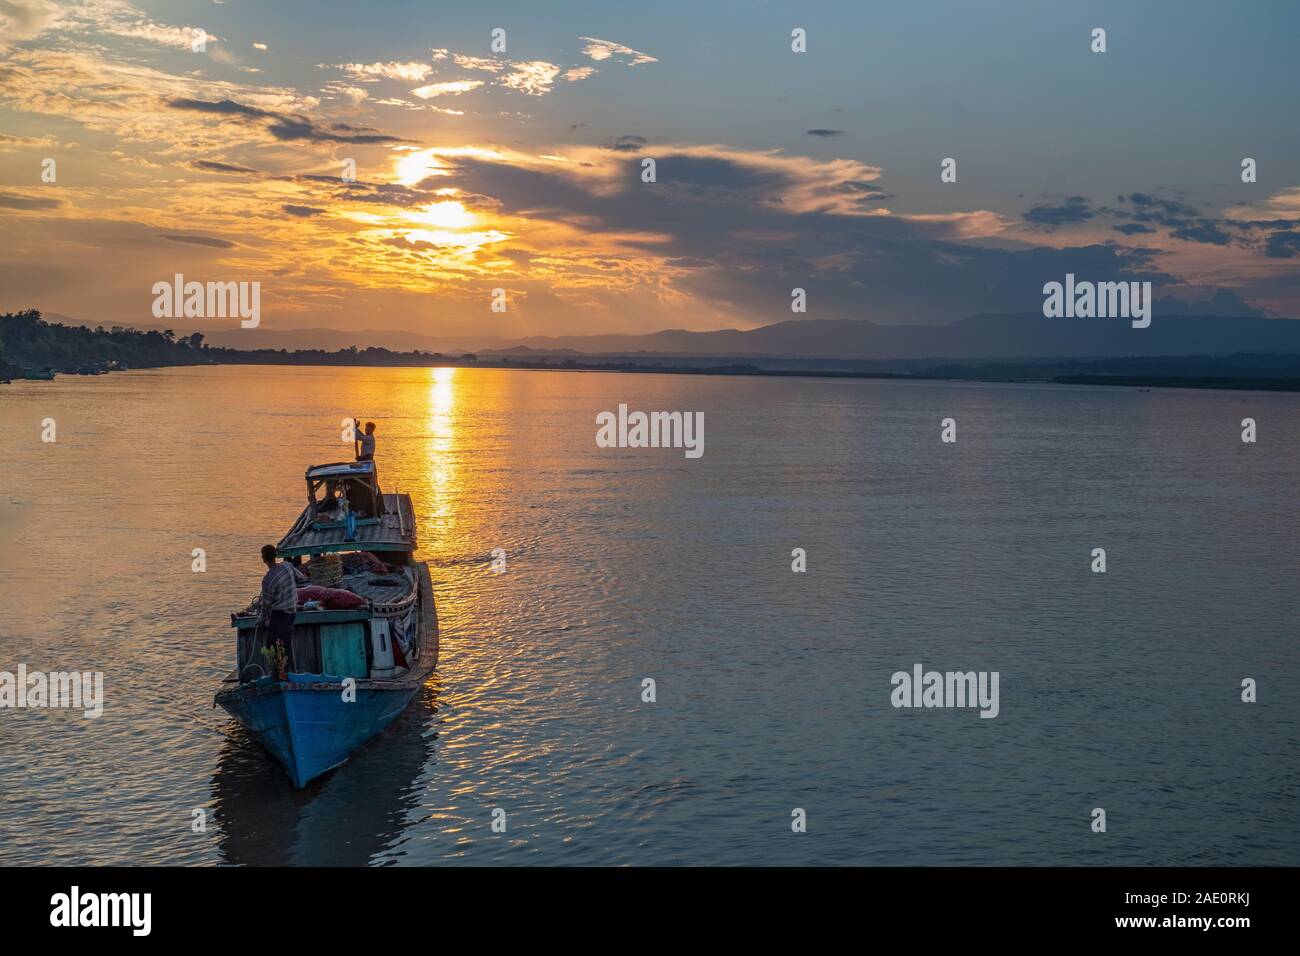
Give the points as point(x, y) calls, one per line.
point(989, 337)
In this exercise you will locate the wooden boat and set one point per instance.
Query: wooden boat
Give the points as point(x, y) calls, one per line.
point(349, 672)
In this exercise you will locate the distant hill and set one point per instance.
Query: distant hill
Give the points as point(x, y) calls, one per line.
point(331, 339)
point(978, 337)
point(984, 337)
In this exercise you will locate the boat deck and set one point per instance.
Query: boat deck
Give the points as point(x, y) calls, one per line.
point(393, 587)
point(404, 678)
point(390, 588)
point(393, 531)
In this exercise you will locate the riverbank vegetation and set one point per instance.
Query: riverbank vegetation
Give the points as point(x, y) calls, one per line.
point(29, 343)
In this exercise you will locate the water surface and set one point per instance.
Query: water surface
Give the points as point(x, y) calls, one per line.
point(1118, 690)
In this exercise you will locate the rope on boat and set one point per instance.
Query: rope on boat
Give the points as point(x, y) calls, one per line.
point(207, 725)
point(196, 717)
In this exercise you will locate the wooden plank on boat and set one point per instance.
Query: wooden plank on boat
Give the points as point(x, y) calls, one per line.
point(307, 617)
point(428, 617)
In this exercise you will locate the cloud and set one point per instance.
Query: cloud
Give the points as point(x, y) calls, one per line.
point(405, 104)
point(1074, 209)
point(22, 20)
point(720, 238)
point(219, 106)
point(1202, 231)
point(212, 166)
point(1261, 230)
point(10, 200)
point(628, 144)
point(608, 49)
point(728, 232)
point(10, 143)
point(259, 46)
point(353, 94)
point(1183, 220)
point(392, 70)
point(793, 184)
point(449, 88)
point(1283, 245)
point(1153, 209)
point(122, 19)
point(1280, 205)
point(488, 64)
point(200, 241)
point(530, 77)
point(288, 128)
point(126, 100)
point(181, 38)
point(534, 78)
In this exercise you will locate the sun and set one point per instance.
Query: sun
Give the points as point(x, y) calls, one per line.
point(445, 215)
point(413, 166)
point(450, 225)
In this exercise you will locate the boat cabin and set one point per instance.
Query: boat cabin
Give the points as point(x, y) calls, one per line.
point(347, 511)
point(346, 486)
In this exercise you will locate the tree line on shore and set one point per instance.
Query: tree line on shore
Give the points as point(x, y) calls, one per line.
point(28, 341)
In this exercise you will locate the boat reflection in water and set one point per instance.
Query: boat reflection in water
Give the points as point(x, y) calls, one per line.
point(343, 818)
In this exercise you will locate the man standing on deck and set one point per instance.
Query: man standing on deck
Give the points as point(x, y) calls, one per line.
point(279, 599)
point(367, 440)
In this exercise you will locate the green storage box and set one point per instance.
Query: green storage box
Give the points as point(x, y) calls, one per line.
point(343, 649)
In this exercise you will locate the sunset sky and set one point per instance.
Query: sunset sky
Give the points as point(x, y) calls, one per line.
point(522, 169)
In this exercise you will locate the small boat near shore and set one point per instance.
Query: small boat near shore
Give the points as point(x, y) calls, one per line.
point(365, 633)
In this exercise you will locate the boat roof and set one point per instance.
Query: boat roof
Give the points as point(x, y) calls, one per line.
point(341, 469)
point(394, 531)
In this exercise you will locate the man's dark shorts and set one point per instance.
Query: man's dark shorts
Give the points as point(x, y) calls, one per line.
point(281, 629)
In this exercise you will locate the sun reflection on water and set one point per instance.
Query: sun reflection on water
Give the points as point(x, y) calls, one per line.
point(440, 432)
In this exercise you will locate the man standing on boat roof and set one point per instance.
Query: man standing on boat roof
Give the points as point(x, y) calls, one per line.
point(279, 598)
point(366, 451)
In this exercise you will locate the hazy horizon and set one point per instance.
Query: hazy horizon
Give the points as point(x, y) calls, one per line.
point(978, 337)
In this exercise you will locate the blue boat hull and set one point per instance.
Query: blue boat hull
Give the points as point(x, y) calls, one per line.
point(309, 728)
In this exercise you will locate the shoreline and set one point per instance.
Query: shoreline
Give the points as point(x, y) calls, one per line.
point(1227, 383)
